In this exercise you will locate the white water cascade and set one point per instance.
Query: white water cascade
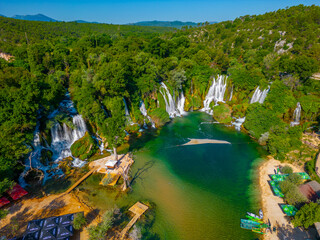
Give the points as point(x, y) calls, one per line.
point(171, 107)
point(231, 94)
point(296, 115)
point(259, 96)
point(143, 111)
point(62, 139)
point(180, 104)
point(238, 122)
point(216, 93)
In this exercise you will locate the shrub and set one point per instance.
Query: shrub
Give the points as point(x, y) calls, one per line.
point(286, 170)
point(307, 215)
point(222, 113)
point(159, 116)
point(79, 221)
point(99, 232)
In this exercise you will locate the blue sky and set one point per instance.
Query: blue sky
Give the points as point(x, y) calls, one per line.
point(129, 11)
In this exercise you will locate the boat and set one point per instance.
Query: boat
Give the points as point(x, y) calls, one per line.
point(258, 220)
point(261, 214)
point(258, 230)
point(253, 215)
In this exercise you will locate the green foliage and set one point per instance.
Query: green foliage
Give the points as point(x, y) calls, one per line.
point(99, 232)
point(84, 148)
point(159, 116)
point(307, 215)
point(290, 189)
point(222, 113)
point(79, 221)
point(101, 64)
point(260, 119)
point(3, 213)
point(286, 169)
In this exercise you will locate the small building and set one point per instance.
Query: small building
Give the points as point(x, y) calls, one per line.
point(55, 228)
point(311, 190)
point(317, 226)
point(111, 164)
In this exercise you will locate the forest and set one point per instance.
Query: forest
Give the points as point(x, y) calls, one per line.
point(102, 65)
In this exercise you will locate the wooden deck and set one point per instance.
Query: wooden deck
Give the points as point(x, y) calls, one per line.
point(138, 209)
point(81, 180)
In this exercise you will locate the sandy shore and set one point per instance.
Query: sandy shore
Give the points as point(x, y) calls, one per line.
point(271, 205)
point(194, 141)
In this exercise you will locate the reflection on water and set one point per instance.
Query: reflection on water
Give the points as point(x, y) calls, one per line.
point(201, 191)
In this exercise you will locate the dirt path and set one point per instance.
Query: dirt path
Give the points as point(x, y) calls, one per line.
point(15, 223)
point(271, 205)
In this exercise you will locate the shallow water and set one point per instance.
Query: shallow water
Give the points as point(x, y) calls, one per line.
point(200, 191)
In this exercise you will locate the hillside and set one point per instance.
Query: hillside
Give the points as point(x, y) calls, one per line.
point(36, 17)
point(105, 66)
point(173, 24)
point(20, 31)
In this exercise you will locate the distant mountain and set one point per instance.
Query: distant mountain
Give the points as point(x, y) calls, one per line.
point(175, 24)
point(37, 17)
point(82, 21)
point(2, 15)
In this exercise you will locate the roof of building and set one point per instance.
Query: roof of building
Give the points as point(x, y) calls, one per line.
point(3, 201)
point(17, 192)
point(317, 226)
point(55, 228)
point(308, 191)
point(315, 186)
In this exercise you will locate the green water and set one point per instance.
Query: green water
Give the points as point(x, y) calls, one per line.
point(200, 191)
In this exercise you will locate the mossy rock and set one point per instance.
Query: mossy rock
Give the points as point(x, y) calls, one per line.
point(222, 113)
point(193, 102)
point(46, 156)
point(160, 117)
point(84, 148)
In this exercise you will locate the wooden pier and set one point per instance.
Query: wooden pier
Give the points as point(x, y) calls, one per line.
point(138, 209)
point(81, 179)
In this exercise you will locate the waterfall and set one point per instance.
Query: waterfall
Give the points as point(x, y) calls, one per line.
point(216, 93)
point(238, 122)
point(296, 115)
point(259, 96)
point(171, 107)
point(126, 108)
point(143, 111)
point(180, 104)
point(230, 98)
point(63, 137)
point(170, 103)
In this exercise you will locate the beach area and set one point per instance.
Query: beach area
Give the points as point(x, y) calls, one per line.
point(271, 205)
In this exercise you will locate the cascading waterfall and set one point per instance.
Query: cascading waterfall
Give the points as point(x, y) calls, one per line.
point(296, 115)
point(238, 122)
point(216, 93)
point(180, 104)
point(259, 96)
point(62, 139)
point(143, 111)
point(230, 98)
point(126, 108)
point(172, 108)
point(127, 114)
point(170, 103)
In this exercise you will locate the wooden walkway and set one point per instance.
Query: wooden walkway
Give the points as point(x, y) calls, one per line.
point(81, 179)
point(138, 209)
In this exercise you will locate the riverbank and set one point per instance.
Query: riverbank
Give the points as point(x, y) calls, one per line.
point(33, 207)
point(271, 205)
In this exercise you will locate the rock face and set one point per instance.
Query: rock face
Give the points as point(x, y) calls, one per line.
point(6, 56)
point(222, 113)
